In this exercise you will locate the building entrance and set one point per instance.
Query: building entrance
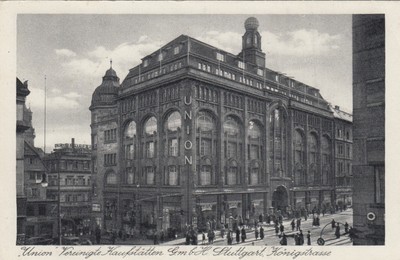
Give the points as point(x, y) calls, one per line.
point(280, 199)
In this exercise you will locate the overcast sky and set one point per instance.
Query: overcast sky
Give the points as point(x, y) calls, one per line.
point(73, 51)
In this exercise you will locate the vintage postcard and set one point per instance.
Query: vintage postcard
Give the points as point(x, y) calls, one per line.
point(199, 129)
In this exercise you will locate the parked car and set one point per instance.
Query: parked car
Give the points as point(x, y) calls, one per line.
point(38, 241)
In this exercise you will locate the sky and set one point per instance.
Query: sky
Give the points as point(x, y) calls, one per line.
point(73, 52)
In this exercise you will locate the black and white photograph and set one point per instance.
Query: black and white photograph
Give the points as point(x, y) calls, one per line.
point(248, 130)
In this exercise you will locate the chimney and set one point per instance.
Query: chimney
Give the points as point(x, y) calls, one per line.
point(73, 143)
point(337, 107)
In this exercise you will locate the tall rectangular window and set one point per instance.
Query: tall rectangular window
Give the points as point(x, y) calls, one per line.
point(176, 50)
point(173, 147)
point(150, 150)
point(241, 64)
point(173, 175)
point(149, 175)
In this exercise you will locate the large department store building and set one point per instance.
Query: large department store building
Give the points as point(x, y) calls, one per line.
point(195, 133)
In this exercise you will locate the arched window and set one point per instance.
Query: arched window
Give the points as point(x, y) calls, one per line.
point(277, 143)
point(299, 149)
point(233, 174)
point(111, 178)
point(231, 126)
point(255, 143)
point(150, 127)
point(130, 130)
point(326, 160)
point(174, 121)
point(313, 176)
point(149, 137)
point(171, 141)
point(205, 121)
point(206, 135)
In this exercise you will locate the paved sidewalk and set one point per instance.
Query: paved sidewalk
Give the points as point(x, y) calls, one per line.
point(267, 227)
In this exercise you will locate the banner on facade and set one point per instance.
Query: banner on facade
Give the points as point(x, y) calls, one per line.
point(233, 204)
point(96, 207)
point(206, 206)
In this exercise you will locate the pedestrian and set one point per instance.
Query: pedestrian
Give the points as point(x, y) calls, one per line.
point(276, 230)
point(301, 238)
point(346, 228)
point(293, 224)
point(256, 233)
point(98, 235)
point(243, 235)
point(222, 232)
point(317, 220)
point(194, 239)
point(298, 224)
point(261, 218)
point(113, 237)
point(337, 232)
point(203, 238)
point(237, 236)
point(283, 241)
point(187, 238)
point(261, 233)
point(296, 239)
point(268, 219)
point(229, 237)
point(333, 224)
point(282, 228)
point(309, 238)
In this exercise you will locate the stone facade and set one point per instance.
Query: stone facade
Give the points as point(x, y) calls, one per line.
point(369, 128)
point(198, 136)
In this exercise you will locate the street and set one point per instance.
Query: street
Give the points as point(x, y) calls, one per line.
point(270, 239)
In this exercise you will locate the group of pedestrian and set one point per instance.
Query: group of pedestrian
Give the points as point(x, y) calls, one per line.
point(191, 236)
point(298, 238)
point(316, 221)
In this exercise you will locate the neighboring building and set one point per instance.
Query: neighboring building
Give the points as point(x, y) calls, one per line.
point(41, 212)
point(22, 126)
point(35, 213)
point(369, 128)
point(196, 135)
point(343, 157)
point(70, 176)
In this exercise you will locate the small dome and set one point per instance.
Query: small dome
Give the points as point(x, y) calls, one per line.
point(107, 91)
point(111, 73)
point(251, 23)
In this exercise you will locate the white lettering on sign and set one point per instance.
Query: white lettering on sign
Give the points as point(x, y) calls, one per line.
point(188, 145)
point(188, 116)
point(188, 102)
point(188, 160)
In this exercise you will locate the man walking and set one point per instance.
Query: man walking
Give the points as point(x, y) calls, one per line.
point(333, 224)
point(243, 235)
point(261, 233)
point(298, 224)
point(292, 224)
point(309, 238)
point(98, 235)
point(337, 232)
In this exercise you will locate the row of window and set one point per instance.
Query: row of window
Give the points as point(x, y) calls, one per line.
point(84, 197)
point(162, 55)
point(69, 165)
point(110, 159)
point(110, 135)
point(70, 181)
point(157, 72)
point(206, 175)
